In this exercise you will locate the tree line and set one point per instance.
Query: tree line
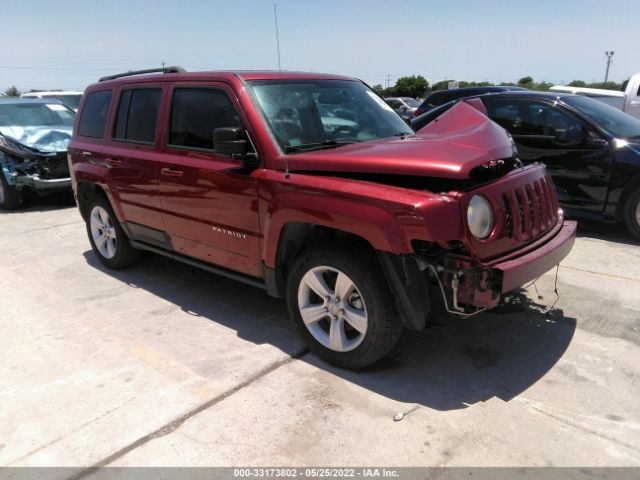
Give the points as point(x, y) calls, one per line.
point(416, 86)
point(13, 91)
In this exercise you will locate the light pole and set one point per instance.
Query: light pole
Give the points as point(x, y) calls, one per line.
point(609, 55)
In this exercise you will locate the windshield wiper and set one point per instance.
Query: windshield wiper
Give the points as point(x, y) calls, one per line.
point(306, 147)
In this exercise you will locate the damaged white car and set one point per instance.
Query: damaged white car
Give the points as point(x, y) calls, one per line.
point(34, 135)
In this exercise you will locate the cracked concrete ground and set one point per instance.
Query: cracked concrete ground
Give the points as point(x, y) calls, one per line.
point(164, 364)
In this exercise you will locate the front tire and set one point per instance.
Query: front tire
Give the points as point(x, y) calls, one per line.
point(342, 306)
point(109, 242)
point(10, 197)
point(631, 213)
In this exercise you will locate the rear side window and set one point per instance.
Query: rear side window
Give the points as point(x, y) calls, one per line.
point(196, 113)
point(94, 114)
point(138, 115)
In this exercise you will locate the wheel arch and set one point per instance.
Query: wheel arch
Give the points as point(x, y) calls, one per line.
point(84, 192)
point(407, 284)
point(294, 238)
point(629, 188)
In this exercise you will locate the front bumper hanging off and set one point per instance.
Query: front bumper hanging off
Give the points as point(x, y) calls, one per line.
point(481, 285)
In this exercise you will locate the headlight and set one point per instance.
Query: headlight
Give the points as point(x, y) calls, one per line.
point(480, 216)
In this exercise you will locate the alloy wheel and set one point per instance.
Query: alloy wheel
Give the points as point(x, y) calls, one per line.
point(103, 232)
point(332, 308)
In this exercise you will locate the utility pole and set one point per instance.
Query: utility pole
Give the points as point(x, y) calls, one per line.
point(609, 55)
point(388, 81)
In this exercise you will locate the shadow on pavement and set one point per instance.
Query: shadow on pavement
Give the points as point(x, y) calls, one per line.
point(465, 361)
point(451, 365)
point(612, 232)
point(35, 203)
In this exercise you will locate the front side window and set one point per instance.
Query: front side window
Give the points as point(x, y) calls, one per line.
point(551, 121)
point(138, 115)
point(94, 114)
point(311, 114)
point(536, 119)
point(196, 113)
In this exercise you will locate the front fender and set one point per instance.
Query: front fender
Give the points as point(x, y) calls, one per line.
point(387, 217)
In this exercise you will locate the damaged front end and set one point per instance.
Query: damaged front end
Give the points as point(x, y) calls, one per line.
point(42, 168)
point(511, 231)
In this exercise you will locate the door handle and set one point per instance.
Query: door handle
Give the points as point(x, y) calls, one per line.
point(635, 103)
point(86, 154)
point(171, 172)
point(113, 162)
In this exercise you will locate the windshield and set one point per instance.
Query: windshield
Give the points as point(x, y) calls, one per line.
point(411, 102)
point(614, 121)
point(306, 114)
point(35, 114)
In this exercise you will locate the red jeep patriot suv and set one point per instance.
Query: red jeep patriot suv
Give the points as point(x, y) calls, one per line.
point(311, 187)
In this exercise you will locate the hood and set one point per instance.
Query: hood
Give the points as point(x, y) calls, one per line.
point(449, 147)
point(46, 139)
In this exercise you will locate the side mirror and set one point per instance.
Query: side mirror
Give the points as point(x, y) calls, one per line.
point(597, 141)
point(232, 142)
point(229, 141)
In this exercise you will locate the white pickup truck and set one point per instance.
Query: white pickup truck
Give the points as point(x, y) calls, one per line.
point(627, 100)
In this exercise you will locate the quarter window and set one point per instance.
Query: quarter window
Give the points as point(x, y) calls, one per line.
point(94, 114)
point(138, 115)
point(196, 113)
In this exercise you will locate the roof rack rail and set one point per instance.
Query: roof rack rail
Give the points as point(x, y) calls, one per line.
point(174, 69)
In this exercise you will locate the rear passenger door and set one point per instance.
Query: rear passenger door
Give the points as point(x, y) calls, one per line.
point(133, 148)
point(209, 201)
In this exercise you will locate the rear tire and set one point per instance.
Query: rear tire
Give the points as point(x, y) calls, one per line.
point(109, 242)
point(350, 318)
point(631, 213)
point(10, 197)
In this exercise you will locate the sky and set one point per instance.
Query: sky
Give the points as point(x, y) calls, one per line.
point(68, 44)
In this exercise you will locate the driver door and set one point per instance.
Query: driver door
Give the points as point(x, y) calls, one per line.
point(209, 202)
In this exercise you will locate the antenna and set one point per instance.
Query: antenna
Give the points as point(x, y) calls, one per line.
point(275, 16)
